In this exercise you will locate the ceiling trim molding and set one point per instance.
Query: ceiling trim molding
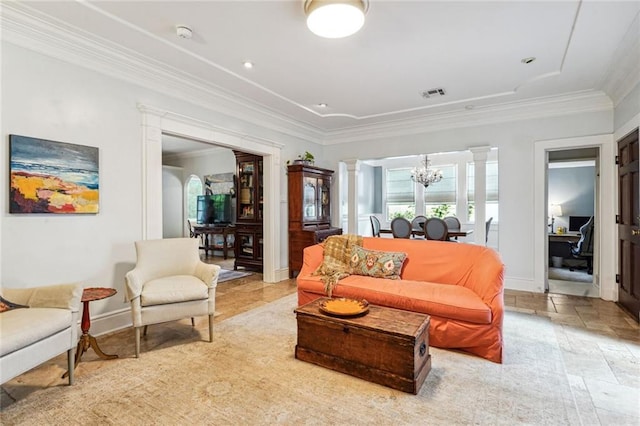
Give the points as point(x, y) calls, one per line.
point(21, 26)
point(624, 73)
point(581, 102)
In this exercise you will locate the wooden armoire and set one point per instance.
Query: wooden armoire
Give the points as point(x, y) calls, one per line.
point(309, 210)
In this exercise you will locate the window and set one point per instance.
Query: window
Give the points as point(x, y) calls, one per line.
point(492, 190)
point(194, 188)
point(440, 198)
point(401, 196)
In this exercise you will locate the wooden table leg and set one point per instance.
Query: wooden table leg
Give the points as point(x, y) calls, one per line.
point(86, 340)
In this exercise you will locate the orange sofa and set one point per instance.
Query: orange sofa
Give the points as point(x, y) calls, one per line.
point(459, 285)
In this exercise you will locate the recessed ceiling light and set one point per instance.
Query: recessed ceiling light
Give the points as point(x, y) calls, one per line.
point(528, 60)
point(248, 64)
point(322, 105)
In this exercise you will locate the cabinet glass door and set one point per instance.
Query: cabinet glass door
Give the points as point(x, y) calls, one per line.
point(309, 199)
point(245, 248)
point(324, 198)
point(260, 190)
point(245, 197)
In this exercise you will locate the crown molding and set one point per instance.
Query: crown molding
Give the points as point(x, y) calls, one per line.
point(581, 102)
point(28, 28)
point(624, 73)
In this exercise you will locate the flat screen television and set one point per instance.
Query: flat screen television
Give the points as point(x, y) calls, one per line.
point(214, 209)
point(575, 222)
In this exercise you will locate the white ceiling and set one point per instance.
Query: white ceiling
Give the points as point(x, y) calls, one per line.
point(471, 49)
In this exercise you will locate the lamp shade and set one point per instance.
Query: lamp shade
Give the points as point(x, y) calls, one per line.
point(555, 210)
point(335, 18)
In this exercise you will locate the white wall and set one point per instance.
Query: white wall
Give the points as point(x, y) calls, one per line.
point(573, 188)
point(52, 99)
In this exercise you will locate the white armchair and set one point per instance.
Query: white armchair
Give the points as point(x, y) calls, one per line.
point(169, 283)
point(49, 327)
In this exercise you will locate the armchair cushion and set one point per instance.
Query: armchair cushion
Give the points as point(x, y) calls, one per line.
point(21, 327)
point(173, 289)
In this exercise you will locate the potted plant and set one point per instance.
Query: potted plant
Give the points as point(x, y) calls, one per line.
point(306, 158)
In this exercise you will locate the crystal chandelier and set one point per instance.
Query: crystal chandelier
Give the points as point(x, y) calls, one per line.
point(424, 175)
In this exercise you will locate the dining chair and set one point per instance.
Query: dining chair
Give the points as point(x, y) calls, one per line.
point(436, 229)
point(375, 226)
point(417, 224)
point(401, 228)
point(453, 224)
point(486, 232)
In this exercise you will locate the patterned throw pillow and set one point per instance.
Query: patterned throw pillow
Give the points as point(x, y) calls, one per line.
point(378, 264)
point(5, 305)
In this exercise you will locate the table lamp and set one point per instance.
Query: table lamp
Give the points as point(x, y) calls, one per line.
point(555, 210)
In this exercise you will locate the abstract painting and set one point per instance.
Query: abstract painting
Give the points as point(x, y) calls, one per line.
point(52, 177)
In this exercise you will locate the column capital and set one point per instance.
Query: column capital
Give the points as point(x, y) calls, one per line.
point(480, 153)
point(353, 165)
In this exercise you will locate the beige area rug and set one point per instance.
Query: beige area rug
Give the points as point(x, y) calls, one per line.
point(249, 376)
point(228, 275)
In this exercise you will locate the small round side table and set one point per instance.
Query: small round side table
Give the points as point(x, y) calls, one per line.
point(86, 340)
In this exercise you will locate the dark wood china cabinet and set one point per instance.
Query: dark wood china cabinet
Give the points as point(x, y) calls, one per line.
point(249, 211)
point(309, 193)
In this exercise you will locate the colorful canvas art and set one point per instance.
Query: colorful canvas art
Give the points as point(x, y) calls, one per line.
point(52, 177)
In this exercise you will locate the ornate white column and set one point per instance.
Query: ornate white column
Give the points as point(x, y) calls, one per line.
point(480, 192)
point(353, 170)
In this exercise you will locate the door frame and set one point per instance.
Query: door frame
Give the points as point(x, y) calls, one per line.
point(606, 234)
point(156, 121)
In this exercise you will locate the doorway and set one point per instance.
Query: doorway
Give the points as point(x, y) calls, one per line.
point(604, 256)
point(572, 182)
point(157, 122)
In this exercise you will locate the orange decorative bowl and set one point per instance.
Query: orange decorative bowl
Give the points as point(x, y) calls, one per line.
point(343, 307)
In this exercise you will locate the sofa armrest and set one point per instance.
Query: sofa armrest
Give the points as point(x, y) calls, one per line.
point(311, 259)
point(487, 278)
point(63, 296)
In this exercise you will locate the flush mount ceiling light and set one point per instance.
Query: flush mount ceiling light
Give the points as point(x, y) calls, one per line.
point(335, 18)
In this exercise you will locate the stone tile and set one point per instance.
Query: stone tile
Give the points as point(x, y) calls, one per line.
point(572, 300)
point(562, 318)
point(566, 309)
point(537, 304)
point(522, 310)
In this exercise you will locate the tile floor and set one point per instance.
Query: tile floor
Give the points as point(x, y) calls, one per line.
point(600, 344)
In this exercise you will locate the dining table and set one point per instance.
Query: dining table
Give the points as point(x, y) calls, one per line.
point(452, 233)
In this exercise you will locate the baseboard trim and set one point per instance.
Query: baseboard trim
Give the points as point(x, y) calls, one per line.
point(110, 322)
point(522, 284)
point(282, 274)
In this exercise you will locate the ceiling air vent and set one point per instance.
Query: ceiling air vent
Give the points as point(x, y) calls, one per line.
point(433, 93)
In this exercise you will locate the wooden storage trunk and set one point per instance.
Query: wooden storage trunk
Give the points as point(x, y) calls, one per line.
point(386, 346)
